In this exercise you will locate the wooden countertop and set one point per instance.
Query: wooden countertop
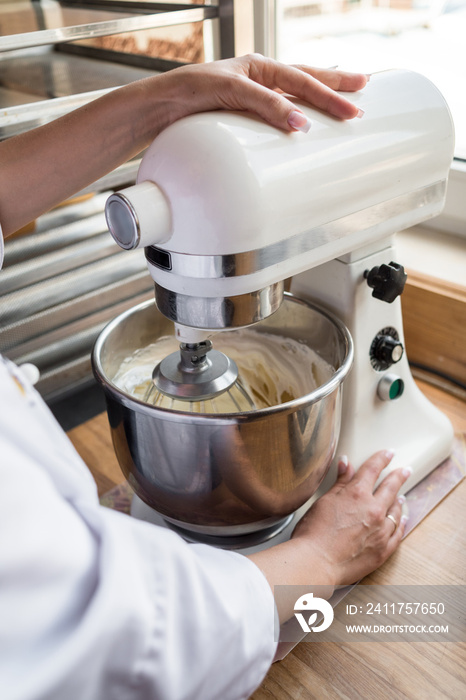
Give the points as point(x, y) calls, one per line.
point(434, 553)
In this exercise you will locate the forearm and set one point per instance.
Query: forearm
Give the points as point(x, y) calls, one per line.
point(292, 564)
point(44, 166)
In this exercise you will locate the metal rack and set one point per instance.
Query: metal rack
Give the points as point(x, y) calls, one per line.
point(123, 16)
point(33, 64)
point(65, 280)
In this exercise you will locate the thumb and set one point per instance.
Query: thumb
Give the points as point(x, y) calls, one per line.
point(345, 472)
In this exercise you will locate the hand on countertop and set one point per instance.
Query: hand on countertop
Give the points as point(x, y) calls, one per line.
point(345, 535)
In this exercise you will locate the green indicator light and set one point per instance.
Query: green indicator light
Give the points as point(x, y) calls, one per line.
point(396, 389)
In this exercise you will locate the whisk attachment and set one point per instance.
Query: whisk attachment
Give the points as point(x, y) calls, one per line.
point(194, 377)
point(197, 372)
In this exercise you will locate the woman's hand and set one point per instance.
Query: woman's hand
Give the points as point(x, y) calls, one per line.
point(43, 167)
point(344, 536)
point(349, 528)
point(256, 84)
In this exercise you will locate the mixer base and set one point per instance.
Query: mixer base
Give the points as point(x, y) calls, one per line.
point(142, 511)
point(235, 541)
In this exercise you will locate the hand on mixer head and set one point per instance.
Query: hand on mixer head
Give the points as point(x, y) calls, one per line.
point(256, 84)
point(43, 167)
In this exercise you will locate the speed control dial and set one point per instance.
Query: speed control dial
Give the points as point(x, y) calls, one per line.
point(386, 349)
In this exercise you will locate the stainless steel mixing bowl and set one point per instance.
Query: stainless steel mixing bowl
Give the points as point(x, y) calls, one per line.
point(229, 474)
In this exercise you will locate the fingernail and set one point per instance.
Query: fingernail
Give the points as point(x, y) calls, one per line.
point(389, 454)
point(368, 76)
point(407, 471)
point(360, 113)
point(404, 519)
point(299, 121)
point(401, 500)
point(342, 464)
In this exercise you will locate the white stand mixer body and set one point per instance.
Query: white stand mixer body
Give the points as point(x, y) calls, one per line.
point(228, 207)
point(417, 431)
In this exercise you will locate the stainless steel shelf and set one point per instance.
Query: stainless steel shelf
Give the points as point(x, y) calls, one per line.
point(50, 74)
point(62, 284)
point(20, 332)
point(55, 83)
point(89, 23)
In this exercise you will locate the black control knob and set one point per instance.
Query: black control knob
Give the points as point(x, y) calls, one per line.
point(387, 281)
point(386, 349)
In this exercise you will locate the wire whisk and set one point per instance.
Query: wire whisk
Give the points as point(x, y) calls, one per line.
point(198, 379)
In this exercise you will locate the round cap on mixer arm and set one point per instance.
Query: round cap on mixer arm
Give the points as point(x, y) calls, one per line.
point(139, 216)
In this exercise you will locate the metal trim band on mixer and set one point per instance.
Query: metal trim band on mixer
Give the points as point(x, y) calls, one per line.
point(219, 312)
point(247, 263)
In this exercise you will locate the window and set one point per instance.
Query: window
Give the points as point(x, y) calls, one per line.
point(371, 35)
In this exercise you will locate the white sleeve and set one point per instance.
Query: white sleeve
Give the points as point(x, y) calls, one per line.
point(95, 605)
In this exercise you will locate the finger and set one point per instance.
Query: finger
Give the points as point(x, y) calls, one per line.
point(303, 85)
point(273, 107)
point(307, 88)
point(393, 514)
point(370, 471)
point(386, 491)
point(345, 473)
point(397, 536)
point(337, 79)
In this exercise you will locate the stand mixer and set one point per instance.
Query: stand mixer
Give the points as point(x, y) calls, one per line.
point(227, 208)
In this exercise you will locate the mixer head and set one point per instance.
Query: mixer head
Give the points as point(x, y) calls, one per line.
point(198, 379)
point(228, 207)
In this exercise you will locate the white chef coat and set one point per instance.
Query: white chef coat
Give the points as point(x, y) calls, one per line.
point(96, 605)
